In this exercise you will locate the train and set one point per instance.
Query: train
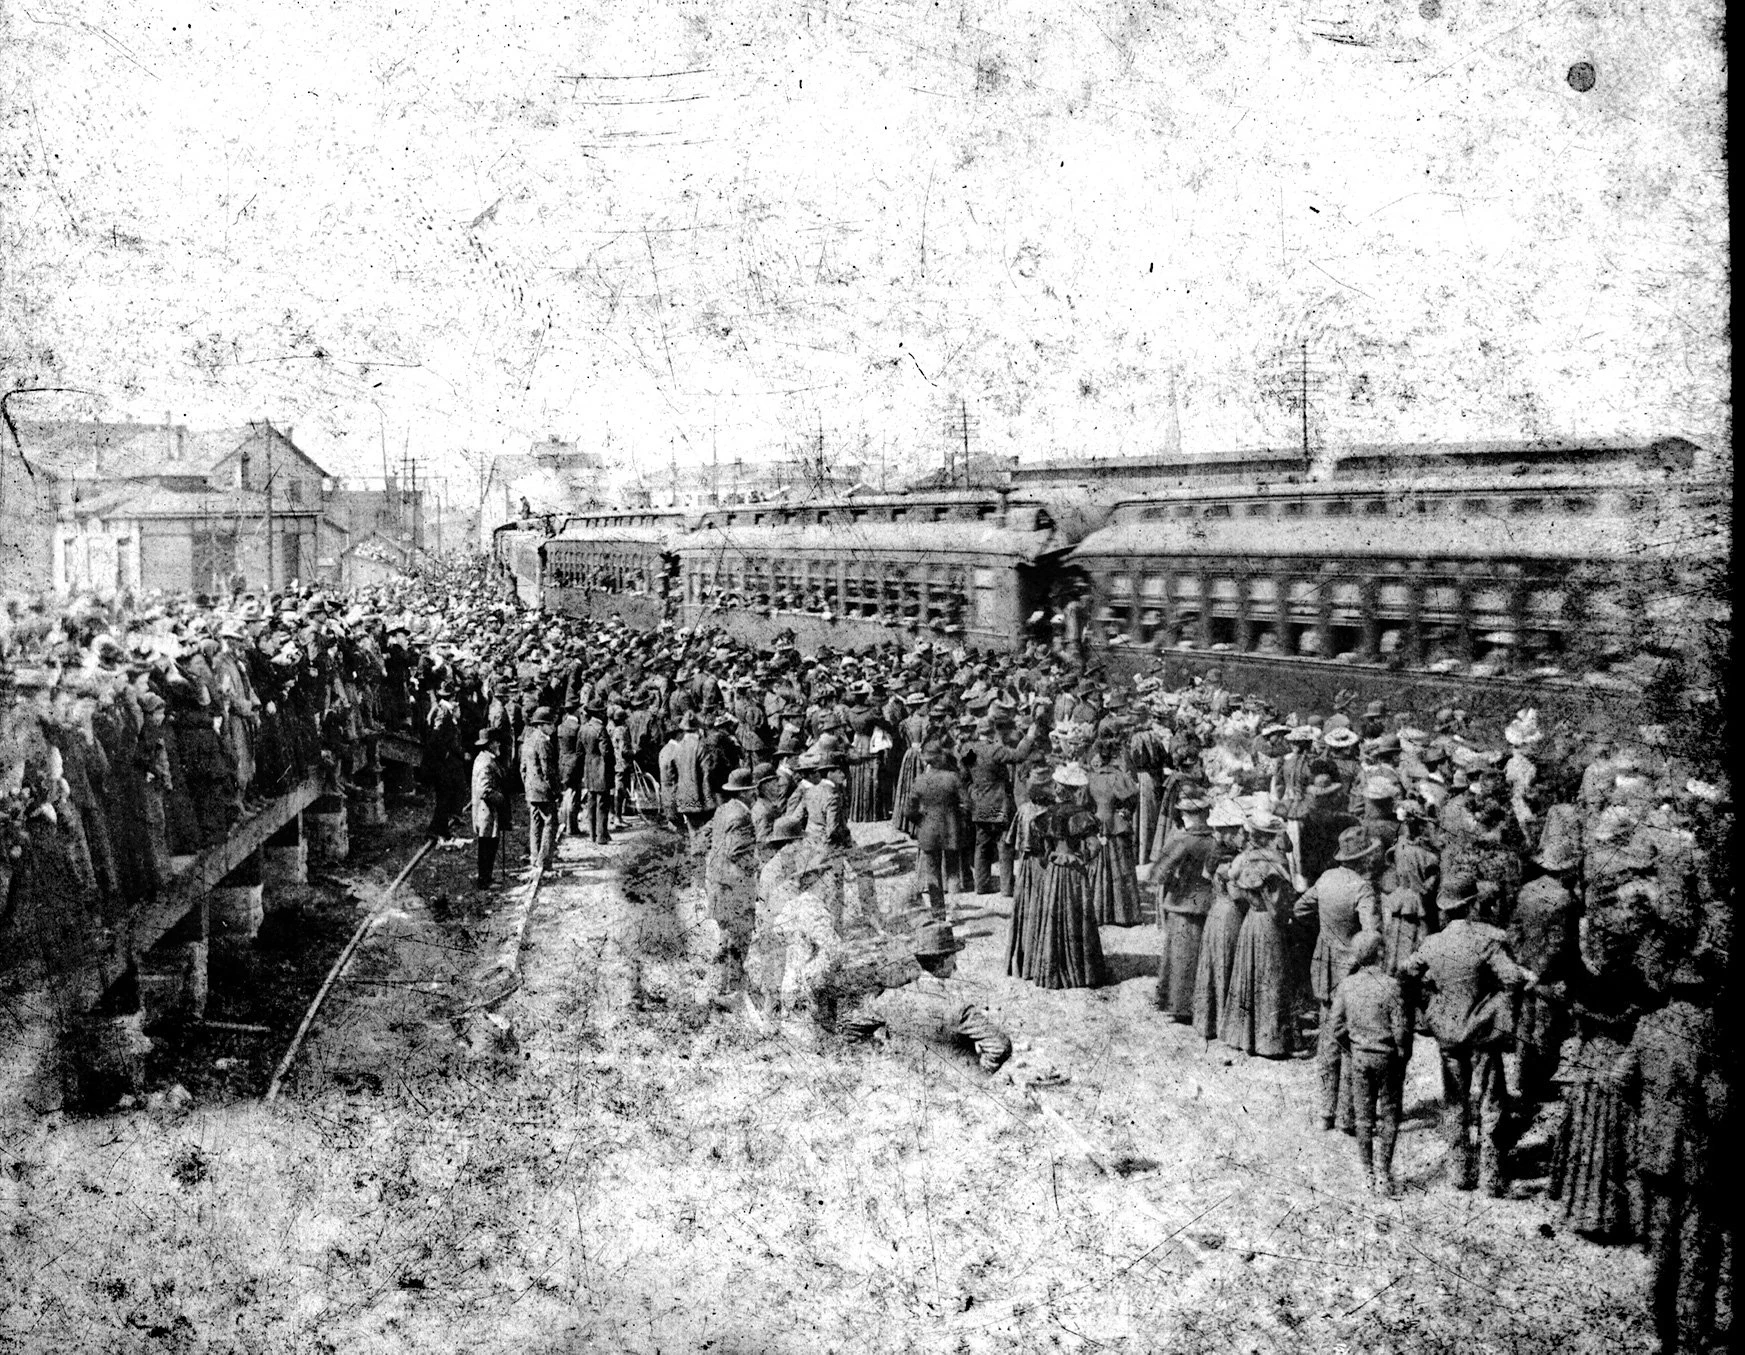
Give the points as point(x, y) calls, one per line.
point(1484, 576)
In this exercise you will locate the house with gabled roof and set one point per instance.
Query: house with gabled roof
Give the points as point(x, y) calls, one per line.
point(162, 508)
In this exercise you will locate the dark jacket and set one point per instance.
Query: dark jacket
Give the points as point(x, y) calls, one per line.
point(539, 778)
point(989, 764)
point(1467, 974)
point(936, 804)
point(596, 758)
point(1369, 1013)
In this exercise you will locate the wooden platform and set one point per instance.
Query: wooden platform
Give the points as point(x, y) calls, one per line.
point(192, 879)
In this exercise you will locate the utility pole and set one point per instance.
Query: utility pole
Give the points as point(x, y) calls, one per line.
point(267, 434)
point(1305, 405)
point(715, 462)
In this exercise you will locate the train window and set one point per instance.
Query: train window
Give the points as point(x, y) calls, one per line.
point(1346, 642)
point(1296, 508)
point(988, 512)
point(1579, 505)
point(1522, 507)
point(1120, 585)
point(857, 515)
point(1394, 599)
point(1375, 507)
point(1258, 510)
point(1475, 506)
point(1217, 510)
point(1336, 508)
point(899, 515)
point(1184, 510)
point(1641, 503)
point(1156, 514)
point(851, 592)
point(1222, 632)
point(941, 512)
point(1428, 507)
point(1184, 585)
point(832, 593)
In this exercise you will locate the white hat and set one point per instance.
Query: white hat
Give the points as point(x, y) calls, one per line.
point(1071, 774)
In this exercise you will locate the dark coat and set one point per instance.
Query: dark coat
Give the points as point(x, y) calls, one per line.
point(1183, 874)
point(989, 764)
point(936, 806)
point(684, 786)
point(568, 730)
point(539, 778)
point(597, 760)
point(1672, 1073)
point(1466, 974)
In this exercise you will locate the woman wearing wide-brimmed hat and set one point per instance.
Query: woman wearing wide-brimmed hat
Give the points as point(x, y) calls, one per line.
point(1069, 950)
point(1182, 876)
point(1258, 1015)
point(1223, 923)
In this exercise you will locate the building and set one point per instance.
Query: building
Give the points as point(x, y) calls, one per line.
point(552, 477)
point(374, 560)
point(158, 507)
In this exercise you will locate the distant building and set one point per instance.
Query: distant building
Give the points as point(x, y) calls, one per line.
point(372, 561)
point(157, 507)
point(553, 477)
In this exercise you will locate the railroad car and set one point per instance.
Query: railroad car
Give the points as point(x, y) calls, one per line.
point(1486, 575)
point(978, 566)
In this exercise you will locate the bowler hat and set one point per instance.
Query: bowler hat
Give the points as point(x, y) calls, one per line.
point(541, 716)
point(486, 739)
point(739, 781)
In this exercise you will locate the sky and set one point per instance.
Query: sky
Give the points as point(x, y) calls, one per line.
point(676, 232)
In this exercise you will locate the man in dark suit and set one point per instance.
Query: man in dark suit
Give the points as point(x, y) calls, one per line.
point(539, 787)
point(596, 771)
point(1467, 974)
point(989, 761)
point(936, 803)
point(684, 783)
point(569, 801)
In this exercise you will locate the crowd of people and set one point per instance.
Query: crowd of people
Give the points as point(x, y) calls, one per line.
point(1344, 881)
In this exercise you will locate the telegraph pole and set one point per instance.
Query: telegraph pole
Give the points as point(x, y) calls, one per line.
point(1305, 405)
point(964, 407)
point(267, 434)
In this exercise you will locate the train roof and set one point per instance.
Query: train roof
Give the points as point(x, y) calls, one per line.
point(1398, 531)
point(880, 539)
point(585, 534)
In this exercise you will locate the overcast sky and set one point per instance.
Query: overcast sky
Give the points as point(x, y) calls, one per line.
point(685, 230)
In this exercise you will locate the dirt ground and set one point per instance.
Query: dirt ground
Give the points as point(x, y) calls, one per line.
point(609, 1167)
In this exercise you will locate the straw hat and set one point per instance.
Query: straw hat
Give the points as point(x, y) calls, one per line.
point(1071, 774)
point(1340, 736)
point(1355, 845)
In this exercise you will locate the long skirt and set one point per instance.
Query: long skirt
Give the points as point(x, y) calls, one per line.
point(1179, 965)
point(866, 783)
point(1217, 958)
point(1257, 1016)
point(1145, 823)
point(1590, 1162)
point(1115, 883)
point(1023, 937)
point(1069, 953)
point(907, 771)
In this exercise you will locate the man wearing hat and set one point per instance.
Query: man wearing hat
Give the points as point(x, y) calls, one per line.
point(490, 799)
point(936, 808)
point(989, 761)
point(596, 769)
point(569, 730)
point(1674, 1077)
point(1467, 978)
point(936, 947)
point(1341, 903)
point(1319, 828)
point(1542, 936)
point(730, 878)
point(539, 787)
point(685, 791)
point(1373, 1028)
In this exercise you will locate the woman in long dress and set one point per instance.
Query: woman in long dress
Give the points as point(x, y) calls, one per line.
point(866, 767)
point(1114, 881)
point(915, 733)
point(1069, 952)
point(1223, 925)
point(1590, 1160)
point(1257, 1015)
point(1029, 848)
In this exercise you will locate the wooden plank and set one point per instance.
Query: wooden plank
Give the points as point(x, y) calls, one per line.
point(188, 888)
point(401, 748)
